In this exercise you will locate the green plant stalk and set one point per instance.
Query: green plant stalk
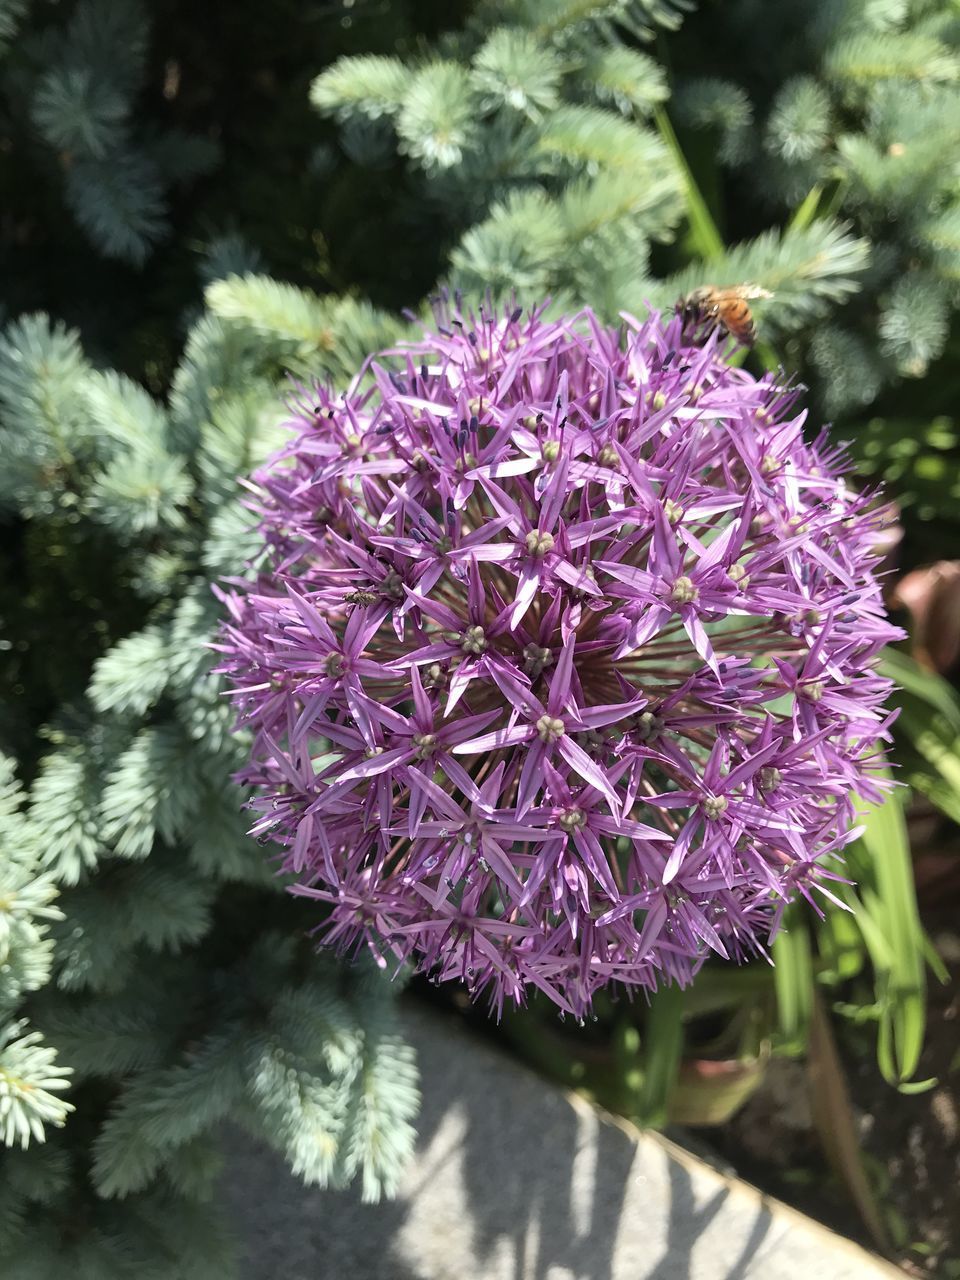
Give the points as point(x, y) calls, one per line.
point(705, 235)
point(894, 936)
point(793, 981)
point(834, 1120)
point(807, 210)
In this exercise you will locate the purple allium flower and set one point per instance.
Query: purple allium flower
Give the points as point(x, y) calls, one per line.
point(560, 660)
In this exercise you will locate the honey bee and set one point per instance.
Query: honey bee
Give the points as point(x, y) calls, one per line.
point(709, 308)
point(362, 597)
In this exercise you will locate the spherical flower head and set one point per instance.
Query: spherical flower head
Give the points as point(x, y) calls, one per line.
point(559, 660)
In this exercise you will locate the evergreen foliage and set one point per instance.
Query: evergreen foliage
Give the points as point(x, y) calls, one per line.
point(174, 977)
point(538, 150)
point(541, 146)
point(709, 102)
point(11, 12)
point(858, 103)
point(157, 121)
point(539, 143)
point(78, 82)
point(31, 1080)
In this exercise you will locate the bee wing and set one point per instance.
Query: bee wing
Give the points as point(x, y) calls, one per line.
point(750, 291)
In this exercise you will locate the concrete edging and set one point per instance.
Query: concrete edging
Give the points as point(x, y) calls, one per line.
point(515, 1179)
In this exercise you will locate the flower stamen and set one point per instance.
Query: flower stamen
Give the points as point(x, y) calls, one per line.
point(550, 729)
